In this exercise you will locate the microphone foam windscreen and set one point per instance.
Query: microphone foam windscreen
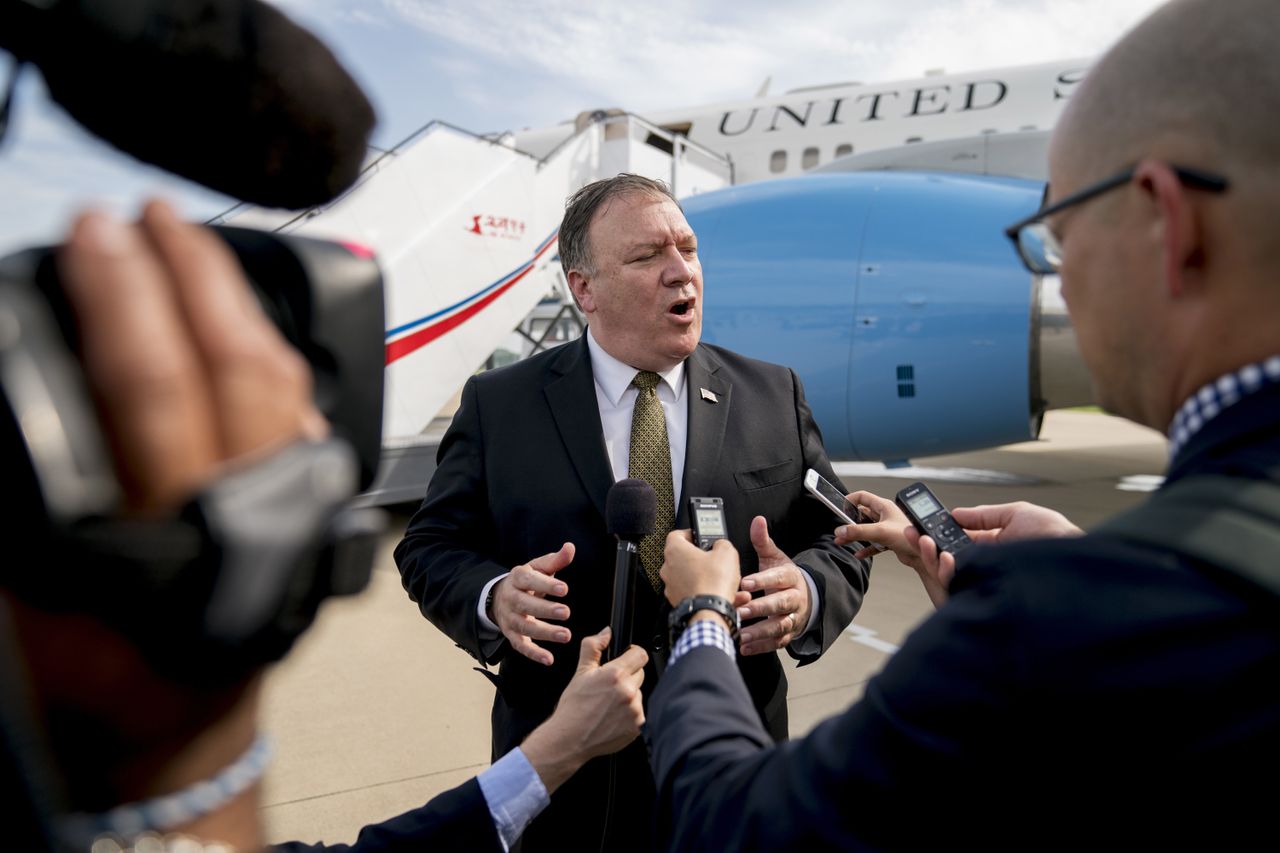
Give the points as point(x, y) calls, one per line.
point(229, 93)
point(630, 509)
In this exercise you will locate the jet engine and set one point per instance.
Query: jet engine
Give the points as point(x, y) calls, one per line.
point(898, 300)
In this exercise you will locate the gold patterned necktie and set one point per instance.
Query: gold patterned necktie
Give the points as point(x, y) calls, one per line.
point(650, 460)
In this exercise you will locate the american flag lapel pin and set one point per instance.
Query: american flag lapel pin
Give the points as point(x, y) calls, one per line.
point(709, 396)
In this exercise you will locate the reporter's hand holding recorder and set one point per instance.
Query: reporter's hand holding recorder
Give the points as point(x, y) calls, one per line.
point(987, 523)
point(688, 574)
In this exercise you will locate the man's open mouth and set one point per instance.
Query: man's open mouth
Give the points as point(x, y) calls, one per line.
point(680, 308)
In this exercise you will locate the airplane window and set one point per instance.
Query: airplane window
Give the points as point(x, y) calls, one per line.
point(844, 149)
point(778, 161)
point(809, 159)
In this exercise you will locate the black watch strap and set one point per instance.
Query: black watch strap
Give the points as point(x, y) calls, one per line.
point(683, 612)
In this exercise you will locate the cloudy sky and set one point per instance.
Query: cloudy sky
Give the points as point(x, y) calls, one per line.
point(492, 65)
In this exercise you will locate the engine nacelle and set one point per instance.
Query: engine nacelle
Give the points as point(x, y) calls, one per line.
point(898, 300)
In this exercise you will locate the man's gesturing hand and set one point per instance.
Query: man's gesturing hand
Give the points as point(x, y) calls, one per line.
point(785, 605)
point(599, 712)
point(520, 604)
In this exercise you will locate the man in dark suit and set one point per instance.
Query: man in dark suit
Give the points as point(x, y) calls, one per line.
point(1073, 690)
point(533, 451)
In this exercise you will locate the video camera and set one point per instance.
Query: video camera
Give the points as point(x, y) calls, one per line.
point(256, 107)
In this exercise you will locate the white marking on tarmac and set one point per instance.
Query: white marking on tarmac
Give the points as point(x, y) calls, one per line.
point(1140, 483)
point(867, 637)
point(854, 470)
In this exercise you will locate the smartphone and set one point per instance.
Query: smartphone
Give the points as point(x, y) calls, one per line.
point(931, 518)
point(835, 500)
point(706, 516)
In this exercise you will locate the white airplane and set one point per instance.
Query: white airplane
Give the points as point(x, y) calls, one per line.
point(465, 228)
point(794, 133)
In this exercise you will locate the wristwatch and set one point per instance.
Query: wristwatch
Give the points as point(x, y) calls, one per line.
point(683, 612)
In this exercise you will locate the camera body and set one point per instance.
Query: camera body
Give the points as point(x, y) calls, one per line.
point(325, 297)
point(229, 596)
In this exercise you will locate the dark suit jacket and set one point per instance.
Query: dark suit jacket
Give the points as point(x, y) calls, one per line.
point(458, 819)
point(523, 468)
point(1077, 693)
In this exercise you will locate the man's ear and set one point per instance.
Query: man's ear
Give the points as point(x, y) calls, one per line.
point(583, 293)
point(1180, 229)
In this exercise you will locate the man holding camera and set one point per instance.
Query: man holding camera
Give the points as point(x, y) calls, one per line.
point(1114, 689)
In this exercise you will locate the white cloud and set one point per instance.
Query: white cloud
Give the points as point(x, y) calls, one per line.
point(667, 53)
point(976, 33)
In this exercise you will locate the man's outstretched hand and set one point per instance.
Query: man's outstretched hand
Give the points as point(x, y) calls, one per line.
point(521, 605)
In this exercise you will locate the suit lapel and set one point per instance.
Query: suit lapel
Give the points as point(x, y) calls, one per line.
point(571, 394)
point(707, 422)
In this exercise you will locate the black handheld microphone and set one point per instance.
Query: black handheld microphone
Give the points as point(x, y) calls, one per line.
point(629, 509)
point(229, 93)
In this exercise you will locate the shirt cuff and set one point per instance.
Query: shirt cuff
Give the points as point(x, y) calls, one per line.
point(704, 632)
point(488, 630)
point(813, 601)
point(514, 793)
point(806, 643)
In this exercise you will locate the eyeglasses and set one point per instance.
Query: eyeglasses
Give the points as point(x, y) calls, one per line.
point(1040, 249)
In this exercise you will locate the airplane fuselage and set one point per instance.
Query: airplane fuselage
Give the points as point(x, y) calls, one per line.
point(787, 135)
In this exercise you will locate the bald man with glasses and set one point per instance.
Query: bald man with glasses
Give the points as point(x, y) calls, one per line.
point(1115, 689)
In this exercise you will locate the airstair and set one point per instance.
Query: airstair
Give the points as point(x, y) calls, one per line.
point(464, 227)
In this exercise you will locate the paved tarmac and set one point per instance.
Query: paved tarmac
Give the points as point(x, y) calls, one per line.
point(376, 711)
